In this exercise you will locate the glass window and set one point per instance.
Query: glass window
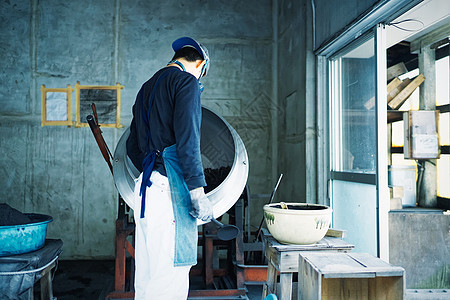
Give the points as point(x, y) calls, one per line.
point(353, 88)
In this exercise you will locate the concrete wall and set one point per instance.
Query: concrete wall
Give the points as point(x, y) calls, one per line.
point(262, 80)
point(334, 16)
point(419, 241)
point(58, 170)
point(295, 79)
point(302, 26)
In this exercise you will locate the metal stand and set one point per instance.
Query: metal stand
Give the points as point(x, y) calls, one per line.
point(124, 230)
point(229, 280)
point(218, 282)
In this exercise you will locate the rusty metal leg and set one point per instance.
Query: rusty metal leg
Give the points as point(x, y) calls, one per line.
point(133, 265)
point(123, 230)
point(239, 244)
point(119, 278)
point(208, 262)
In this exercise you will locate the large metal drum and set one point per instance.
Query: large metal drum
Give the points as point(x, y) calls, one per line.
point(222, 149)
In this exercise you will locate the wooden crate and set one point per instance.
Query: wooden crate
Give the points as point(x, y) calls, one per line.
point(283, 259)
point(348, 276)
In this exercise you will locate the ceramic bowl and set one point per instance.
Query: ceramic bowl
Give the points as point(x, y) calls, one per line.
point(297, 223)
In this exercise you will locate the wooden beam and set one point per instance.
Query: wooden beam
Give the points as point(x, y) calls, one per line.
point(393, 88)
point(393, 84)
point(394, 115)
point(443, 108)
point(406, 92)
point(397, 89)
point(336, 233)
point(396, 70)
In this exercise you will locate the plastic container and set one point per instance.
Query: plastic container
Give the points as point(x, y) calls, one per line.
point(404, 176)
point(19, 239)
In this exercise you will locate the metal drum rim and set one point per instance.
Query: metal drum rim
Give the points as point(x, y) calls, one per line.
point(223, 196)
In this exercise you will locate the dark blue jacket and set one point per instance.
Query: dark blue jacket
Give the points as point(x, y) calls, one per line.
point(175, 118)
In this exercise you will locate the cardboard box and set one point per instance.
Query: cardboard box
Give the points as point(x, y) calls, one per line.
point(421, 138)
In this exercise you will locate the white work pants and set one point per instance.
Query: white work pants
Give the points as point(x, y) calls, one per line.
point(156, 277)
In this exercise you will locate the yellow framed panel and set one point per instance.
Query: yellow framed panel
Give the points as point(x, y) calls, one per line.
point(56, 106)
point(107, 102)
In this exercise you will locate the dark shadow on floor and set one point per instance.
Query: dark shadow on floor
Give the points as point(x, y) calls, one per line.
point(85, 279)
point(94, 279)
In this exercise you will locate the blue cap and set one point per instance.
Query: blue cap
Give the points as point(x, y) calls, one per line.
point(190, 42)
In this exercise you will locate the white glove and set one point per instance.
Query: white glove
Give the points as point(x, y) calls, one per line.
point(201, 206)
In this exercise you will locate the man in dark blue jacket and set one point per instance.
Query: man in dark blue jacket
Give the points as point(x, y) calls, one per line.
point(164, 144)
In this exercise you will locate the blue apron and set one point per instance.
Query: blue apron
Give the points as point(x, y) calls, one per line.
point(186, 233)
point(185, 225)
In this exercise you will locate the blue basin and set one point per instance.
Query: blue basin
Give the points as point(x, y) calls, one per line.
point(19, 239)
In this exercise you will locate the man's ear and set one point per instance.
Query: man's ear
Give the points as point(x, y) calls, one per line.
point(199, 63)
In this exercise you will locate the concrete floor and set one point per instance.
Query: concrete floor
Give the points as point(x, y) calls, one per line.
point(94, 279)
point(87, 279)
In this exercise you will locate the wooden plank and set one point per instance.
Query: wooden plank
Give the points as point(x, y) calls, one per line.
point(310, 282)
point(386, 288)
point(271, 285)
point(348, 288)
point(395, 91)
point(286, 286)
point(325, 243)
point(285, 257)
point(393, 84)
point(347, 264)
point(272, 255)
point(336, 233)
point(394, 116)
point(406, 92)
point(396, 70)
point(377, 265)
point(362, 288)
